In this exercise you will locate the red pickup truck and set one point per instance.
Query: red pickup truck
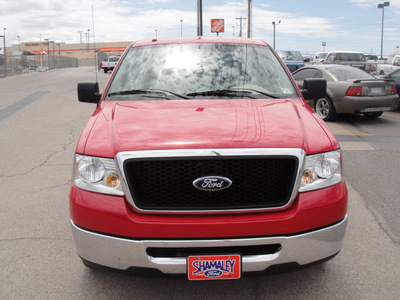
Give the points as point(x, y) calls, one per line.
point(203, 158)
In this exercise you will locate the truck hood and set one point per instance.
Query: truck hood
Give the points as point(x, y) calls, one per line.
point(208, 124)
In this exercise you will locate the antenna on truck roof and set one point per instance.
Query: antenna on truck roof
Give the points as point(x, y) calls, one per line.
point(96, 63)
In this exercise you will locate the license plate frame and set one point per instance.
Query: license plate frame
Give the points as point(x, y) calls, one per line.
point(214, 267)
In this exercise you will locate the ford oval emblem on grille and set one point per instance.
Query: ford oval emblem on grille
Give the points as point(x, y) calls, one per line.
point(212, 183)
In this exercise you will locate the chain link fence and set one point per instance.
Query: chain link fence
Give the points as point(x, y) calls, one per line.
point(34, 63)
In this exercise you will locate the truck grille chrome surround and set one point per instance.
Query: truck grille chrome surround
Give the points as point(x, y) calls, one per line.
point(161, 181)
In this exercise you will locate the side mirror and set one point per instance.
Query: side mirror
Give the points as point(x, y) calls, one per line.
point(314, 88)
point(89, 92)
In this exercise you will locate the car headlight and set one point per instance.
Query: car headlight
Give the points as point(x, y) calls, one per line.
point(97, 174)
point(321, 170)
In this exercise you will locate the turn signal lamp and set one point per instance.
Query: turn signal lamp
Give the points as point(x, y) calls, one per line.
point(112, 180)
point(307, 176)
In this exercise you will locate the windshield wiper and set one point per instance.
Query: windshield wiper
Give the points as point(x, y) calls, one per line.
point(219, 93)
point(262, 93)
point(146, 91)
point(233, 92)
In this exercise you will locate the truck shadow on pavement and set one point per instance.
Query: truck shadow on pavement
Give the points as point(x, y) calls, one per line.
point(286, 283)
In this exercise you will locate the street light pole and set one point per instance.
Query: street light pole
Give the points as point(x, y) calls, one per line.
point(88, 40)
point(80, 33)
point(59, 55)
point(5, 52)
point(52, 57)
point(19, 43)
point(181, 27)
point(48, 53)
point(382, 5)
point(274, 24)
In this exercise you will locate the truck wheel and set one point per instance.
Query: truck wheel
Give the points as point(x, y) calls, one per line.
point(381, 72)
point(373, 115)
point(105, 71)
point(325, 109)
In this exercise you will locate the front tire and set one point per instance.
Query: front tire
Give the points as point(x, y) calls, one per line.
point(325, 109)
point(105, 70)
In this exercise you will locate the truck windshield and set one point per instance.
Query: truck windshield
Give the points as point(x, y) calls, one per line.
point(351, 56)
point(199, 70)
point(291, 55)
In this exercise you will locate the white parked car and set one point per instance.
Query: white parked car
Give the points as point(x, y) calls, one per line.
point(386, 68)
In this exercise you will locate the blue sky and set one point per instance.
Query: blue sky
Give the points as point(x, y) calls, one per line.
point(342, 24)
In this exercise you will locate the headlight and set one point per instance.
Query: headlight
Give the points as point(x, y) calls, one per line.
point(97, 174)
point(321, 170)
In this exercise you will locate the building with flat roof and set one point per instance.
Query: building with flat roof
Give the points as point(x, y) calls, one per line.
point(63, 48)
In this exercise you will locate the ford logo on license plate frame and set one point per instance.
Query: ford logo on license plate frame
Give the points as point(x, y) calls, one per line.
point(212, 183)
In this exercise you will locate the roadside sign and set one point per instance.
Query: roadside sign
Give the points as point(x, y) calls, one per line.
point(217, 25)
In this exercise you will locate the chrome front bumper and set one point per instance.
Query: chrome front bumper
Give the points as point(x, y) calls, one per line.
point(119, 253)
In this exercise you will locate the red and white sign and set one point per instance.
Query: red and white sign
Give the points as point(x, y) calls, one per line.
point(217, 25)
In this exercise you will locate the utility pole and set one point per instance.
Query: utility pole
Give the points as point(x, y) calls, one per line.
point(199, 18)
point(240, 28)
point(249, 18)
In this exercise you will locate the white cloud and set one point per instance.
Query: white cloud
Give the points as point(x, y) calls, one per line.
point(363, 3)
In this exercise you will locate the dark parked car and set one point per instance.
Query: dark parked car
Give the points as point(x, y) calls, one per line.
point(396, 77)
point(350, 90)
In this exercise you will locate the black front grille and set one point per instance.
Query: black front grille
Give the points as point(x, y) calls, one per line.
point(167, 184)
point(242, 250)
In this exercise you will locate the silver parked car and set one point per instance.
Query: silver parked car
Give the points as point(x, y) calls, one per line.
point(350, 90)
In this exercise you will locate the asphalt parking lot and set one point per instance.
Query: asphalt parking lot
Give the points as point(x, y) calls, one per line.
point(41, 121)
